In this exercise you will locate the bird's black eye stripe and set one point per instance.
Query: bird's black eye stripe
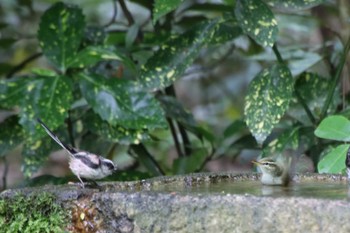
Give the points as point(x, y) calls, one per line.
point(109, 164)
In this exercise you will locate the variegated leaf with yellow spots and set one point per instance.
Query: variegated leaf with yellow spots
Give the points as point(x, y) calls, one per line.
point(35, 154)
point(294, 4)
point(267, 100)
point(11, 135)
point(175, 56)
point(257, 20)
point(60, 33)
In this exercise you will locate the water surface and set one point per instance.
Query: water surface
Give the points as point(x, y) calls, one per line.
point(308, 189)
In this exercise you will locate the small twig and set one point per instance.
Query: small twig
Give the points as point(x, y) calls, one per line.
point(174, 135)
point(207, 159)
point(306, 108)
point(126, 12)
point(185, 138)
point(22, 64)
point(140, 150)
point(277, 53)
point(115, 11)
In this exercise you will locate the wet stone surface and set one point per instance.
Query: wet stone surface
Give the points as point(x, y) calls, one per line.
point(213, 202)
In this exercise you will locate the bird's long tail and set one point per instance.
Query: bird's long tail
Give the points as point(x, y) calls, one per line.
point(69, 149)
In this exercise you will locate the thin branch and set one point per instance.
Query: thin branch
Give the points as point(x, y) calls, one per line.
point(207, 159)
point(174, 135)
point(185, 138)
point(277, 53)
point(335, 80)
point(146, 158)
point(23, 64)
point(306, 108)
point(115, 11)
point(126, 12)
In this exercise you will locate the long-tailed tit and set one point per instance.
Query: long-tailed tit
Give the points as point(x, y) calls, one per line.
point(84, 164)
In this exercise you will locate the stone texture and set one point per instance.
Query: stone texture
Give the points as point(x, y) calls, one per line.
point(136, 207)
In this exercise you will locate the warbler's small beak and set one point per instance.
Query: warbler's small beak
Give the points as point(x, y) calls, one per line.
point(256, 162)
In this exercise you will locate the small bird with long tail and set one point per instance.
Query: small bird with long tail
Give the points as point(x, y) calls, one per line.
point(82, 163)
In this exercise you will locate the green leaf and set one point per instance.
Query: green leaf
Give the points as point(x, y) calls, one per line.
point(146, 159)
point(334, 160)
point(48, 98)
point(35, 154)
point(12, 91)
point(11, 135)
point(44, 72)
point(267, 100)
point(5, 43)
point(114, 133)
point(94, 35)
point(175, 56)
point(289, 139)
point(335, 128)
point(314, 99)
point(118, 102)
point(294, 4)
point(131, 35)
point(94, 54)
point(175, 110)
point(235, 127)
point(226, 32)
point(190, 163)
point(162, 7)
point(257, 20)
point(60, 33)
point(5, 68)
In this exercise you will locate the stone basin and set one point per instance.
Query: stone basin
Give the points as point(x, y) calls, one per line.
point(212, 202)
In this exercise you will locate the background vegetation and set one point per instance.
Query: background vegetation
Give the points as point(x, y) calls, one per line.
point(172, 87)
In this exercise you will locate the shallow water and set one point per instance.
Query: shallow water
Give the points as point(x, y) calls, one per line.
point(308, 189)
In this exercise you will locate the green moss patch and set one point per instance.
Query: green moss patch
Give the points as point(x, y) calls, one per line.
point(37, 212)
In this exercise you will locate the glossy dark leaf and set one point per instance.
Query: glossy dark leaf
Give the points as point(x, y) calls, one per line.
point(267, 100)
point(60, 33)
point(162, 7)
point(114, 133)
point(175, 55)
point(11, 135)
point(119, 103)
point(257, 20)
